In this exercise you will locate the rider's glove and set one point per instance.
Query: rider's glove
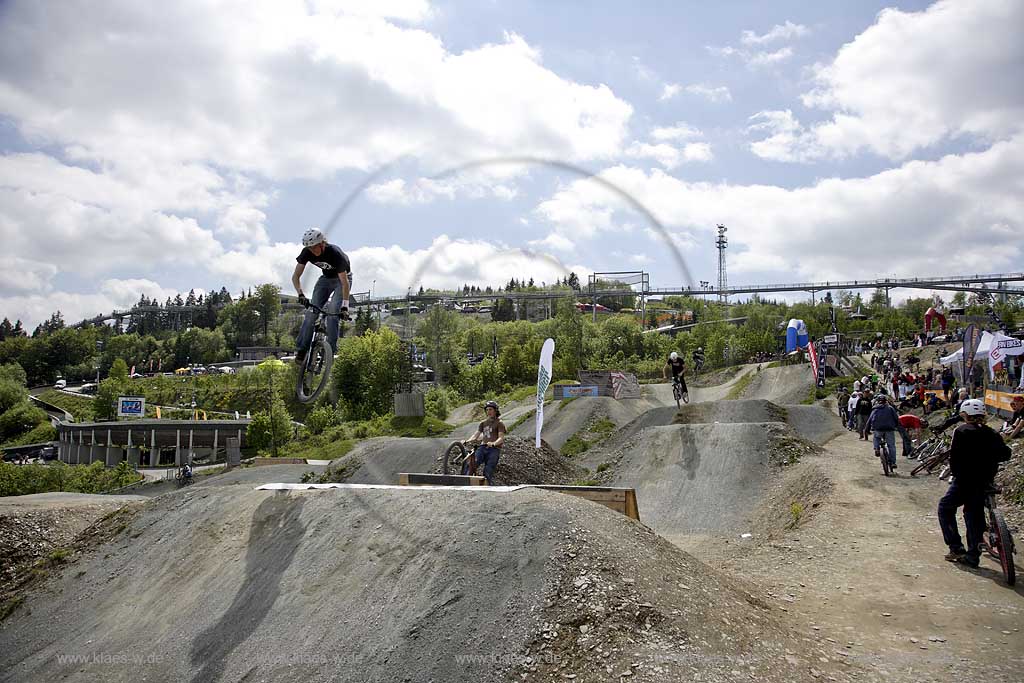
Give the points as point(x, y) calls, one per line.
point(344, 310)
point(303, 300)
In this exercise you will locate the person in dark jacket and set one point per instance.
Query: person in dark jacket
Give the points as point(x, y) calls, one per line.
point(882, 423)
point(974, 458)
point(863, 411)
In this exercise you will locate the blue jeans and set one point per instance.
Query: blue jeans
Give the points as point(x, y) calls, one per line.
point(908, 444)
point(890, 442)
point(325, 288)
point(488, 457)
point(973, 501)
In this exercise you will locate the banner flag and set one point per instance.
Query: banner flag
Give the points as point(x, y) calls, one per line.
point(814, 359)
point(543, 380)
point(972, 337)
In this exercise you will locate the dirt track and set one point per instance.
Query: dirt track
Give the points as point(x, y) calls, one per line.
point(220, 582)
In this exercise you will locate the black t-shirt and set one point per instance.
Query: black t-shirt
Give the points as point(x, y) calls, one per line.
point(677, 366)
point(975, 454)
point(331, 261)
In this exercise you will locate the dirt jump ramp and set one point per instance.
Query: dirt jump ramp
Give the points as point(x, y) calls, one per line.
point(812, 422)
point(700, 478)
point(226, 584)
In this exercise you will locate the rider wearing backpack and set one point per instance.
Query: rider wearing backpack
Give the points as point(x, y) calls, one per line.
point(974, 458)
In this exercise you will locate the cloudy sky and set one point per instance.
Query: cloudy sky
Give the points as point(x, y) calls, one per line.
point(159, 147)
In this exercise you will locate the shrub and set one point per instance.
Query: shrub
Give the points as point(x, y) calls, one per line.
point(322, 418)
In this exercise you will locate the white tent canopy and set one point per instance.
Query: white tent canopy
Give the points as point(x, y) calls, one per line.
point(983, 348)
point(1000, 347)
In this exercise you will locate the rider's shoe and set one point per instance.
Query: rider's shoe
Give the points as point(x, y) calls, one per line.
point(300, 357)
point(955, 555)
point(878, 454)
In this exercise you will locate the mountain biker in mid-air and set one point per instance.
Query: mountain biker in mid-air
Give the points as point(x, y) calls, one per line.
point(491, 436)
point(678, 367)
point(336, 279)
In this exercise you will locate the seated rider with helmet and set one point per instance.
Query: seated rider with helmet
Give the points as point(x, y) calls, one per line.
point(491, 435)
point(698, 357)
point(677, 365)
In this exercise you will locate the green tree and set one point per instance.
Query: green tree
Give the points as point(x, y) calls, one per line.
point(366, 372)
point(269, 427)
point(11, 394)
point(267, 301)
point(119, 370)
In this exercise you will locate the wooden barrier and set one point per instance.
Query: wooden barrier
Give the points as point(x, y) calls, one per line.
point(418, 479)
point(276, 461)
point(618, 499)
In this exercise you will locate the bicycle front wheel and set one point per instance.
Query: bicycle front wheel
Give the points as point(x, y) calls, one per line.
point(1004, 543)
point(315, 371)
point(454, 457)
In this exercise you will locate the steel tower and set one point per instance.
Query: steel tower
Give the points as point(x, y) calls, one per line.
point(723, 281)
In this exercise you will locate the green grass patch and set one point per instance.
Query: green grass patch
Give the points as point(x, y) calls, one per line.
point(7, 609)
point(741, 385)
point(79, 406)
point(522, 419)
point(336, 441)
point(588, 437)
point(603, 466)
point(39, 434)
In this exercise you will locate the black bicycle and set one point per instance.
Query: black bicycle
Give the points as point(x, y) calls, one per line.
point(678, 392)
point(315, 369)
point(884, 457)
point(456, 455)
point(997, 539)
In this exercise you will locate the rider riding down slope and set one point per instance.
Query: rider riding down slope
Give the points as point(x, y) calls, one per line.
point(678, 367)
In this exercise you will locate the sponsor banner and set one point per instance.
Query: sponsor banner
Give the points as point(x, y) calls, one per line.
point(1001, 347)
point(1000, 400)
point(972, 337)
point(543, 380)
point(830, 339)
point(611, 383)
point(131, 406)
point(625, 385)
point(563, 391)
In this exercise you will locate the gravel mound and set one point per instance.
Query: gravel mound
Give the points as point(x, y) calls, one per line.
point(787, 384)
point(385, 585)
point(522, 463)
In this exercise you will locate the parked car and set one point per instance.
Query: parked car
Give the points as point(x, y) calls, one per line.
point(89, 388)
point(61, 384)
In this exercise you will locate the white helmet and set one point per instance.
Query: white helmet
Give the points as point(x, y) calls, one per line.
point(312, 237)
point(973, 407)
point(673, 355)
point(700, 348)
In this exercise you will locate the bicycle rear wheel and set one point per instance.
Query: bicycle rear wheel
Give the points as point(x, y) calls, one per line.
point(315, 371)
point(884, 457)
point(677, 393)
point(454, 457)
point(1004, 545)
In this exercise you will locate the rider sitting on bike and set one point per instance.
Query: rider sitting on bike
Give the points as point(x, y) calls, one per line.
point(883, 422)
point(974, 458)
point(490, 435)
point(698, 358)
point(336, 277)
point(678, 366)
point(186, 471)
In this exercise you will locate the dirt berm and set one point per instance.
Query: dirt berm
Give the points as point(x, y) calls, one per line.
point(228, 584)
point(812, 422)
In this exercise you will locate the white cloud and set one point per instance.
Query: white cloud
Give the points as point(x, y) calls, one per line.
point(669, 90)
point(554, 241)
point(111, 294)
point(714, 94)
point(916, 79)
point(680, 132)
point(778, 32)
point(769, 58)
point(24, 275)
point(833, 228)
point(787, 139)
point(258, 87)
point(668, 156)
point(453, 262)
point(697, 151)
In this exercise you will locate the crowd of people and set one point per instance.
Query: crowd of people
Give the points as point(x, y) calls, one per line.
point(880, 405)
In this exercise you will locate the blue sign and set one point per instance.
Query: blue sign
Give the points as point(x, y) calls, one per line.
point(131, 406)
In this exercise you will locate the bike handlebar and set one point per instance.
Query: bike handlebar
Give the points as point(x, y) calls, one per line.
point(343, 314)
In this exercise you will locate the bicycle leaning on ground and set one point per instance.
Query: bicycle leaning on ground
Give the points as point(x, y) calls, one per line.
point(315, 369)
